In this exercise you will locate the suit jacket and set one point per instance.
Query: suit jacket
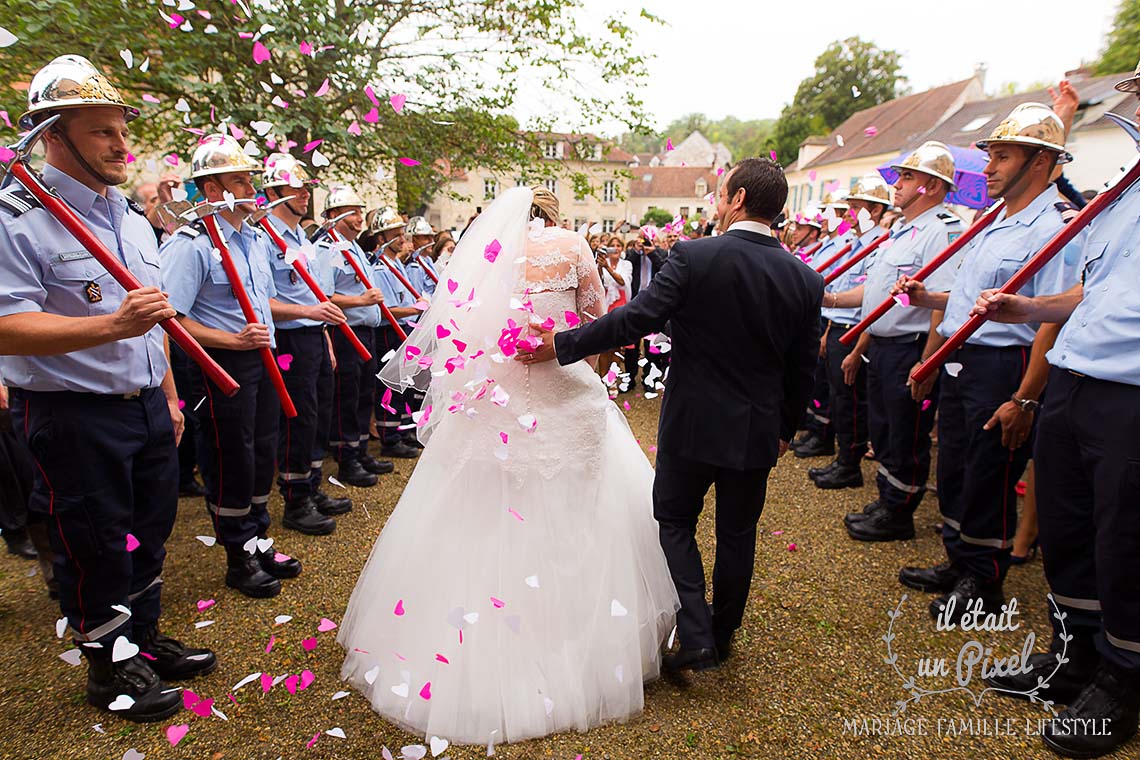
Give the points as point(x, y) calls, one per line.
point(745, 328)
point(656, 261)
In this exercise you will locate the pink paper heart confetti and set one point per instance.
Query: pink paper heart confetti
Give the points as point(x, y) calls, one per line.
point(354, 128)
point(284, 361)
point(372, 116)
point(323, 89)
point(309, 644)
point(269, 646)
point(572, 318)
point(132, 543)
point(491, 252)
point(397, 102)
point(325, 625)
point(175, 734)
point(442, 659)
point(266, 683)
point(409, 162)
point(205, 604)
point(903, 299)
point(399, 610)
point(261, 53)
point(305, 48)
point(425, 692)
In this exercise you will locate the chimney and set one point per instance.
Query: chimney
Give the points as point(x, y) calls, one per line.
point(980, 74)
point(1078, 75)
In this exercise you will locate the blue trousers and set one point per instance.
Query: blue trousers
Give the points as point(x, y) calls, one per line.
point(106, 466)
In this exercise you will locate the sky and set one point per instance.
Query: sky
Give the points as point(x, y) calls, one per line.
point(745, 58)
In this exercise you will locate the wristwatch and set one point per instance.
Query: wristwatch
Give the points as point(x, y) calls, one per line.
point(1026, 404)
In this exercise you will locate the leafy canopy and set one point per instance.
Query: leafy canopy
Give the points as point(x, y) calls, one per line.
point(464, 67)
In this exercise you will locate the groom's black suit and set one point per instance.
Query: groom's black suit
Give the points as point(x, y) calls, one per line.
point(744, 319)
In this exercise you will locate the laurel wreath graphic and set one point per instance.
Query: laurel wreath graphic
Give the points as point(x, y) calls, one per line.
point(918, 693)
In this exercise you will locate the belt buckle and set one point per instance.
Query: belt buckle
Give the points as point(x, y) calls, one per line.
point(132, 395)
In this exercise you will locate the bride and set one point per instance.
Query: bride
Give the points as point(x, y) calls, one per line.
point(518, 589)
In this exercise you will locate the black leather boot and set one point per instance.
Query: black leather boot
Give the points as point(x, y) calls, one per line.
point(328, 505)
point(375, 466)
point(352, 473)
point(302, 516)
point(173, 661)
point(967, 591)
point(244, 573)
point(940, 578)
point(413, 441)
point(131, 687)
point(868, 510)
point(1101, 719)
point(399, 450)
point(20, 544)
point(842, 476)
point(815, 447)
point(1064, 686)
point(882, 525)
point(285, 568)
point(815, 472)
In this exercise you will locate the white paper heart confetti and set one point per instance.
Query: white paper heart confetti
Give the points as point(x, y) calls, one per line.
point(616, 609)
point(123, 649)
point(438, 746)
point(370, 676)
point(121, 702)
point(338, 732)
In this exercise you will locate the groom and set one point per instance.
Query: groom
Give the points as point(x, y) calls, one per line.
point(744, 320)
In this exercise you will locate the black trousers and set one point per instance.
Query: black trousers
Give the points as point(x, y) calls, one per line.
point(105, 467)
point(388, 422)
point(17, 476)
point(632, 356)
point(188, 448)
point(354, 388)
point(237, 447)
point(977, 476)
point(326, 384)
point(817, 416)
point(297, 437)
point(679, 489)
point(1087, 470)
point(899, 426)
point(848, 402)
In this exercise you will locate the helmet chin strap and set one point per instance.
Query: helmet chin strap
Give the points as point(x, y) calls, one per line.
point(1020, 173)
point(79, 159)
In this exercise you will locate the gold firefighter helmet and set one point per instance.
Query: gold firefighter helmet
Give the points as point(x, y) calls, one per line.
point(220, 154)
point(70, 81)
point(931, 158)
point(341, 196)
point(1033, 125)
point(385, 218)
point(282, 170)
point(871, 187)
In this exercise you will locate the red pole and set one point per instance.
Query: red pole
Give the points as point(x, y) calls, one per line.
point(303, 272)
point(811, 251)
point(947, 253)
point(388, 315)
point(246, 305)
point(862, 254)
point(65, 216)
point(403, 280)
point(427, 269)
point(838, 255)
point(1030, 269)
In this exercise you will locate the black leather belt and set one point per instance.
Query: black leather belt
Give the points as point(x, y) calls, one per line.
point(910, 338)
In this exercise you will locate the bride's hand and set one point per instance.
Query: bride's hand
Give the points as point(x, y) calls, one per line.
point(542, 353)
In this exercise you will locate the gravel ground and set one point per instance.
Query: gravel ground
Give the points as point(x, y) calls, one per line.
point(809, 657)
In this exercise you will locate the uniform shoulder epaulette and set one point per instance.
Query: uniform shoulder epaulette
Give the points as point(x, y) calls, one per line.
point(948, 218)
point(17, 199)
point(1066, 210)
point(135, 206)
point(192, 230)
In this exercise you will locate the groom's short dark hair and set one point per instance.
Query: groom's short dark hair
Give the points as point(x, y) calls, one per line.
point(765, 187)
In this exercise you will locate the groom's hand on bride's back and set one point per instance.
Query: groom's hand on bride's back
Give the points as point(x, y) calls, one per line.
point(543, 352)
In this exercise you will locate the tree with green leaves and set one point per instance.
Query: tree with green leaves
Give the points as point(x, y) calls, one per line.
point(1122, 43)
point(658, 217)
point(742, 138)
point(427, 86)
point(850, 75)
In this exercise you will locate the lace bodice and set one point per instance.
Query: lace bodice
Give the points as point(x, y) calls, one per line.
point(568, 404)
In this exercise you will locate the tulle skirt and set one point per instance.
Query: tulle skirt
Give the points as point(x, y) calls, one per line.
point(496, 608)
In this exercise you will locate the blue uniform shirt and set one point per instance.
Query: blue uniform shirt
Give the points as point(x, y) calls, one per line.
point(395, 294)
point(996, 254)
point(290, 287)
point(911, 246)
point(198, 285)
point(852, 278)
point(418, 275)
point(830, 248)
point(47, 270)
point(346, 283)
point(1102, 337)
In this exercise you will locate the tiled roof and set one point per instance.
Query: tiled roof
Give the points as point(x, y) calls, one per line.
point(897, 124)
point(670, 181)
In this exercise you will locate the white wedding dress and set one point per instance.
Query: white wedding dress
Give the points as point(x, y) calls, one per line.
point(518, 589)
